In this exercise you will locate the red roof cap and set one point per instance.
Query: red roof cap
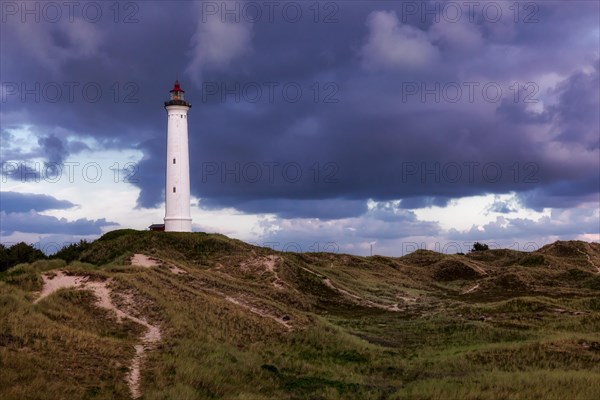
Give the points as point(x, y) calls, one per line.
point(177, 88)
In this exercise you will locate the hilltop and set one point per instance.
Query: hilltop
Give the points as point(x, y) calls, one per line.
point(198, 316)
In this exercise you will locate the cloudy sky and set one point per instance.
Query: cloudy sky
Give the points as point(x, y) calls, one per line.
point(337, 126)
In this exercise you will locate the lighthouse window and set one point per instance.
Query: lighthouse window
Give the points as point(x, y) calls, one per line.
point(174, 161)
point(174, 190)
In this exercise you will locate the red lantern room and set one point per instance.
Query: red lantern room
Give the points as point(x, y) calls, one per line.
point(177, 97)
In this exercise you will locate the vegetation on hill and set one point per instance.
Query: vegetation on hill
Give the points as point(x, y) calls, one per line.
point(73, 251)
point(244, 322)
point(17, 254)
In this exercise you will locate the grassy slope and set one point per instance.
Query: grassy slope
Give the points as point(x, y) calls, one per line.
point(531, 329)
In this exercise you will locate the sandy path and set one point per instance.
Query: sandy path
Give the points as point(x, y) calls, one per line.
point(346, 293)
point(589, 259)
point(368, 303)
point(470, 290)
point(259, 311)
point(262, 265)
point(269, 264)
point(151, 337)
point(476, 267)
point(312, 272)
point(479, 269)
point(240, 299)
point(103, 300)
point(407, 299)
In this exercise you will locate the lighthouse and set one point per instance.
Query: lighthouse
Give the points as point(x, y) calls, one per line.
point(177, 191)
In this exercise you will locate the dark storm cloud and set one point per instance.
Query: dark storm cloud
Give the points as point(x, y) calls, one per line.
point(373, 143)
point(20, 172)
point(151, 174)
point(564, 194)
point(11, 202)
point(577, 113)
point(53, 149)
point(324, 209)
point(32, 222)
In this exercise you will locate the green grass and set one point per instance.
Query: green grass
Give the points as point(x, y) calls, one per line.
point(531, 331)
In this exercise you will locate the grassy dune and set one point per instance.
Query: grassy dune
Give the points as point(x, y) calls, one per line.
point(245, 322)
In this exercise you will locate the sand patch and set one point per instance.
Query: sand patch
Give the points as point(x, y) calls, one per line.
point(141, 260)
point(59, 281)
point(176, 270)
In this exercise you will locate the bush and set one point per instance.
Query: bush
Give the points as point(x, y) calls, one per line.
point(17, 254)
point(73, 251)
point(480, 247)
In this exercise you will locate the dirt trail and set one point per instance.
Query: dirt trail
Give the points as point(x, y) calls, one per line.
point(479, 269)
point(589, 259)
point(472, 289)
point(152, 336)
point(476, 267)
point(259, 311)
point(270, 265)
point(329, 283)
point(141, 260)
point(368, 303)
point(406, 299)
point(344, 292)
point(264, 265)
point(53, 283)
point(312, 272)
point(245, 301)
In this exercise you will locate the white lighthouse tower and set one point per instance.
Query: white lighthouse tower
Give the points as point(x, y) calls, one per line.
point(177, 193)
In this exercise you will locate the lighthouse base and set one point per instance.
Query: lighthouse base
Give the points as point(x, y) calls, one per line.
point(178, 224)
